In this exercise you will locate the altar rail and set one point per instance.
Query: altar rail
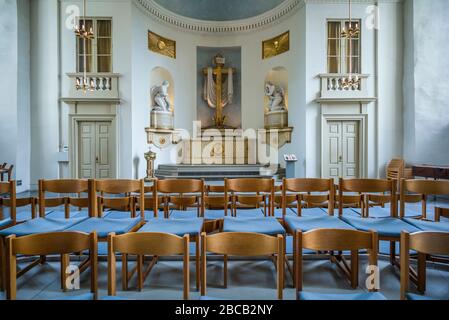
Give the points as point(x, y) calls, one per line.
point(331, 86)
point(106, 85)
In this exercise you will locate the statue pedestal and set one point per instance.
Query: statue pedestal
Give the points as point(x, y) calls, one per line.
point(161, 120)
point(276, 119)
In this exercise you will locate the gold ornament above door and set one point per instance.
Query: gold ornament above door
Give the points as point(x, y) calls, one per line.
point(275, 46)
point(161, 45)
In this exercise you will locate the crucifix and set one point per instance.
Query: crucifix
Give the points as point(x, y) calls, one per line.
point(218, 93)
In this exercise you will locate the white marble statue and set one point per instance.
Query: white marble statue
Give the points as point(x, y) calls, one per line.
point(276, 96)
point(159, 97)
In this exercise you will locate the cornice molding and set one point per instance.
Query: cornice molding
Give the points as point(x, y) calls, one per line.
point(275, 15)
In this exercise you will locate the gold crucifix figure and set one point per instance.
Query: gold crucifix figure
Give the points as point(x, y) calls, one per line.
point(218, 93)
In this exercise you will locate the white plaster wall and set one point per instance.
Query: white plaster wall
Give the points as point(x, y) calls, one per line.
point(122, 32)
point(44, 90)
point(383, 117)
point(426, 67)
point(8, 81)
point(389, 93)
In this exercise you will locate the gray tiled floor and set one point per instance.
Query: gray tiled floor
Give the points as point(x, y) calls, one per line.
point(251, 280)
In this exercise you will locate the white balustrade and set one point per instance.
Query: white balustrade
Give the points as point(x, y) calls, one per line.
point(333, 87)
point(105, 85)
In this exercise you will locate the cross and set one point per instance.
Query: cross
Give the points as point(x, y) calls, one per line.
point(218, 72)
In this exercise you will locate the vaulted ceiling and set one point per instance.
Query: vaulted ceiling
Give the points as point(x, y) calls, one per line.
point(219, 10)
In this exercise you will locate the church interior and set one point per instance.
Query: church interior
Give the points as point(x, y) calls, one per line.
point(224, 149)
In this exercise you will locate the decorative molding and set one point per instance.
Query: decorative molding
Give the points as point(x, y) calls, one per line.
point(161, 45)
point(284, 10)
point(276, 46)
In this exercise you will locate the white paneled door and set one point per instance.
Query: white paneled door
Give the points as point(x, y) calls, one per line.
point(95, 150)
point(341, 149)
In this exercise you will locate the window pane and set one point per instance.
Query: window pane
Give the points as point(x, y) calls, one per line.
point(104, 64)
point(81, 46)
point(81, 63)
point(104, 28)
point(333, 65)
point(104, 46)
point(333, 48)
point(355, 67)
point(333, 29)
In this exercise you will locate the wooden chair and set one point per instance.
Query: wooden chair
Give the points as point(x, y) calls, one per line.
point(178, 225)
point(9, 189)
point(336, 240)
point(242, 244)
point(425, 188)
point(7, 171)
point(62, 243)
point(290, 199)
point(425, 243)
point(313, 217)
point(105, 225)
point(389, 229)
point(25, 215)
point(141, 244)
point(250, 197)
point(214, 207)
point(253, 189)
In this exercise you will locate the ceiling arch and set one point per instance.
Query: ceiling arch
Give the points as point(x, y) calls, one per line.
point(219, 10)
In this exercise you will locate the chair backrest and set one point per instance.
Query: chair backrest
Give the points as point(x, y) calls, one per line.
point(10, 189)
point(365, 187)
point(61, 186)
point(250, 185)
point(243, 244)
point(20, 202)
point(118, 187)
point(146, 243)
point(304, 189)
point(62, 243)
point(179, 192)
point(424, 243)
point(424, 188)
point(334, 239)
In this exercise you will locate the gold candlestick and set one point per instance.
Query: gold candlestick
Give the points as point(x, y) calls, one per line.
point(150, 156)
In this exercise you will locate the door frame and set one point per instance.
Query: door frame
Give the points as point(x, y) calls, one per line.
point(74, 135)
point(362, 120)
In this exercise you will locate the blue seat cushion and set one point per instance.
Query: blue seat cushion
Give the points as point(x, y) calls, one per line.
point(386, 227)
point(114, 298)
point(83, 296)
point(428, 225)
point(41, 225)
point(342, 296)
point(304, 212)
point(379, 212)
point(60, 214)
point(349, 212)
point(412, 296)
point(320, 222)
point(214, 214)
point(117, 214)
point(183, 214)
point(5, 222)
point(104, 226)
point(264, 225)
point(178, 227)
point(249, 213)
point(207, 298)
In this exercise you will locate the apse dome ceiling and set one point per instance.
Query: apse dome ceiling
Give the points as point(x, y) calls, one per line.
point(219, 16)
point(219, 10)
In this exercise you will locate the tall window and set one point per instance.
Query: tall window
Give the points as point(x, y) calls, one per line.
point(98, 50)
point(338, 53)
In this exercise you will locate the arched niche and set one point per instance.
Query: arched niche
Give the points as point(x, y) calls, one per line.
point(277, 118)
point(160, 117)
point(157, 76)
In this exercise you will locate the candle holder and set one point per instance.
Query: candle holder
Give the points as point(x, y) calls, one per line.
point(150, 156)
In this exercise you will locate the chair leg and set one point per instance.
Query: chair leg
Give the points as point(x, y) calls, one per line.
point(392, 252)
point(197, 262)
point(139, 262)
point(65, 261)
point(421, 273)
point(124, 272)
point(354, 269)
point(225, 271)
point(2, 264)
